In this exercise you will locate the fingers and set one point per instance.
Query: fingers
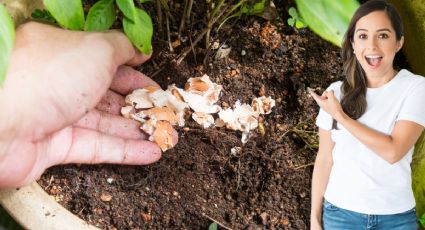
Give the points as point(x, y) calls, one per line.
point(313, 94)
point(111, 124)
point(111, 103)
point(325, 95)
point(127, 79)
point(93, 147)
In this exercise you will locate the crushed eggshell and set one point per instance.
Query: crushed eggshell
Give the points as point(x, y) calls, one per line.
point(242, 117)
point(126, 111)
point(159, 110)
point(163, 135)
point(159, 114)
point(204, 87)
point(198, 103)
point(139, 98)
point(263, 105)
point(204, 119)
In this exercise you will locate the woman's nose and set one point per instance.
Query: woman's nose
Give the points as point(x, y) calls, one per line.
point(372, 44)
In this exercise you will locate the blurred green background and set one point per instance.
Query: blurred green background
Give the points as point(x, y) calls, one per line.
point(7, 222)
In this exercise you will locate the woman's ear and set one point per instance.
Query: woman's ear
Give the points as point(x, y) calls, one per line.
point(400, 43)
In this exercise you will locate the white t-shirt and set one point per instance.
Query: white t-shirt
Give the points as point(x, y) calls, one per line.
point(360, 180)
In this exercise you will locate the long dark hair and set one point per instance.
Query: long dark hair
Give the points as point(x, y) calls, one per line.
point(354, 85)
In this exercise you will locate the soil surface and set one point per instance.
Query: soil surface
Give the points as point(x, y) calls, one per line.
point(265, 183)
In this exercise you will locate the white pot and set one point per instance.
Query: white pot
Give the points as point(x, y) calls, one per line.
point(33, 208)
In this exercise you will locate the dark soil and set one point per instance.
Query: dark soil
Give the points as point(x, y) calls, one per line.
point(266, 185)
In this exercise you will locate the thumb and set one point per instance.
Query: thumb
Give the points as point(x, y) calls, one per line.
point(123, 51)
point(139, 58)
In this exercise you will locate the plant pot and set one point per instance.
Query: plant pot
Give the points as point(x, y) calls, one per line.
point(33, 208)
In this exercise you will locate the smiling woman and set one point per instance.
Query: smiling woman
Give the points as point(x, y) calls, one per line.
point(375, 44)
point(368, 125)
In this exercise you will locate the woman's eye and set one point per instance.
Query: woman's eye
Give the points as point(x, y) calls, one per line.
point(362, 36)
point(383, 36)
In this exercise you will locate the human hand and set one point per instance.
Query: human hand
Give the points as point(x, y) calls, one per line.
point(328, 102)
point(49, 115)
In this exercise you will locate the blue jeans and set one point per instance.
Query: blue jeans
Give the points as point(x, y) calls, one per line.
point(335, 218)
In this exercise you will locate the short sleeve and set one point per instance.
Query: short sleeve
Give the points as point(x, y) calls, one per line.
point(413, 108)
point(323, 119)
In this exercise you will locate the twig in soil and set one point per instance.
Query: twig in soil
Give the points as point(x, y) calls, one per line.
point(284, 134)
point(167, 21)
point(188, 49)
point(159, 13)
point(304, 166)
point(211, 22)
point(216, 221)
point(192, 47)
point(156, 72)
point(50, 183)
point(79, 213)
point(238, 175)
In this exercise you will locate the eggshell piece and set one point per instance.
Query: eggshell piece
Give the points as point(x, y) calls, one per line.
point(163, 135)
point(205, 120)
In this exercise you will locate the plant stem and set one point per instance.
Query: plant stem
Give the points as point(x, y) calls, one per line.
point(159, 13)
point(214, 220)
point(167, 21)
point(186, 15)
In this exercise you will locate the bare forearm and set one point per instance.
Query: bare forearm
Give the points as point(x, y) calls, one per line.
point(391, 147)
point(321, 172)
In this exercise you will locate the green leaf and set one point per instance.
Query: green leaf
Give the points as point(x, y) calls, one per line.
point(43, 15)
point(101, 16)
point(127, 8)
point(213, 226)
point(7, 37)
point(6, 221)
point(291, 22)
point(293, 12)
point(418, 172)
point(422, 220)
point(257, 8)
point(39, 14)
point(328, 18)
point(299, 24)
point(68, 13)
point(140, 31)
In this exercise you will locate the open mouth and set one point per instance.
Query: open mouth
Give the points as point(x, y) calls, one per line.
point(373, 60)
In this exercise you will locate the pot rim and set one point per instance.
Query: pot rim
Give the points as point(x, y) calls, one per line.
point(33, 208)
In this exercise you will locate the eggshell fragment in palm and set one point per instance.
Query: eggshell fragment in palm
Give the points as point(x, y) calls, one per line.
point(163, 135)
point(206, 120)
point(126, 111)
point(174, 91)
point(149, 127)
point(175, 100)
point(139, 98)
point(263, 105)
point(159, 114)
